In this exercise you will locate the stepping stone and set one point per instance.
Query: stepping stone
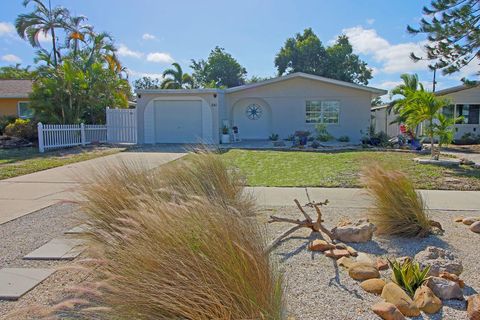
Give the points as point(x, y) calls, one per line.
point(83, 228)
point(15, 282)
point(57, 249)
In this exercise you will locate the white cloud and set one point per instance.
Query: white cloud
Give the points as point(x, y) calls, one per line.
point(138, 74)
point(160, 57)
point(370, 21)
point(11, 58)
point(148, 36)
point(392, 57)
point(124, 51)
point(6, 28)
point(44, 38)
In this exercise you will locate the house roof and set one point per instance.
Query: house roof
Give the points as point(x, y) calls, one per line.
point(375, 91)
point(15, 88)
point(455, 89)
point(311, 77)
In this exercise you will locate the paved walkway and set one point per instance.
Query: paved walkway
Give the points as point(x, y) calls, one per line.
point(357, 198)
point(25, 194)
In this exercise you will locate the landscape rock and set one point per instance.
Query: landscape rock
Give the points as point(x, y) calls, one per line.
point(473, 307)
point(470, 220)
point(475, 227)
point(352, 251)
point(387, 311)
point(439, 260)
point(374, 286)
point(363, 257)
point(402, 260)
point(361, 231)
point(394, 294)
point(337, 253)
point(426, 300)
point(444, 288)
point(382, 264)
point(458, 219)
point(452, 277)
point(320, 245)
point(345, 262)
point(363, 271)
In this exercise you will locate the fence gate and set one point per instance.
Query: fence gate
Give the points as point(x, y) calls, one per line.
point(122, 125)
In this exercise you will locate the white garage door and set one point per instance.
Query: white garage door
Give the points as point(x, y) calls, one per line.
point(178, 121)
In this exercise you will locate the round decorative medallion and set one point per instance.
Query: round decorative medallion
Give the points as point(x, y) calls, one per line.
point(254, 112)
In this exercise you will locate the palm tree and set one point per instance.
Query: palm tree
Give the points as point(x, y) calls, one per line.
point(177, 79)
point(76, 32)
point(42, 20)
point(423, 106)
point(410, 85)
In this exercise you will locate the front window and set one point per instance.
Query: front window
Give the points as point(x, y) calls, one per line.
point(24, 110)
point(469, 112)
point(322, 111)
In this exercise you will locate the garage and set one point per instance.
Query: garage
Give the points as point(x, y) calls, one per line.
point(178, 121)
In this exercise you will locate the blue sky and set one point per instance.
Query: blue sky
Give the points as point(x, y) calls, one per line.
point(153, 33)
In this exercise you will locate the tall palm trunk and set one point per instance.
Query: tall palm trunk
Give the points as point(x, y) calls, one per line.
point(54, 45)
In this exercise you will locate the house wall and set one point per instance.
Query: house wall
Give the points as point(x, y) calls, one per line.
point(287, 102)
point(382, 122)
point(9, 106)
point(468, 96)
point(147, 99)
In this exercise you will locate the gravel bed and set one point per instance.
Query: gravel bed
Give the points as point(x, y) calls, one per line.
point(318, 289)
point(25, 234)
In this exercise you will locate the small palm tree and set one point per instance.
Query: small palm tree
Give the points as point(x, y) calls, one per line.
point(423, 106)
point(76, 32)
point(410, 85)
point(176, 78)
point(42, 20)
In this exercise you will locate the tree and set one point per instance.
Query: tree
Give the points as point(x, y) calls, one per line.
point(76, 32)
point(219, 70)
point(423, 107)
point(43, 20)
point(405, 91)
point(444, 129)
point(453, 30)
point(174, 78)
point(15, 72)
point(305, 53)
point(146, 83)
point(255, 79)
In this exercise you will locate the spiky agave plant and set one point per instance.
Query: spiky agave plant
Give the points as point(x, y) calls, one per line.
point(408, 275)
point(175, 247)
point(398, 208)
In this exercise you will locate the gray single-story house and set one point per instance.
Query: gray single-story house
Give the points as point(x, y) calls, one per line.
point(282, 105)
point(464, 101)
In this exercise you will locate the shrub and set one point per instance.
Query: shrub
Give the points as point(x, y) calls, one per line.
point(176, 247)
point(273, 137)
point(5, 121)
point(408, 275)
point(21, 128)
point(398, 208)
point(468, 138)
point(344, 139)
point(322, 133)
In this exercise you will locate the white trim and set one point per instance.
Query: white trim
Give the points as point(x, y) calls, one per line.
point(178, 91)
point(13, 96)
point(311, 77)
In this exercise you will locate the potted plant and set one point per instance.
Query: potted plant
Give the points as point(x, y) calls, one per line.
point(225, 135)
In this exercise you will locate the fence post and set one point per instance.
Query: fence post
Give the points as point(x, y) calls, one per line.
point(41, 147)
point(82, 134)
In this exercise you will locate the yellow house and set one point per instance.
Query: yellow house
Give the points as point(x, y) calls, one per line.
point(14, 99)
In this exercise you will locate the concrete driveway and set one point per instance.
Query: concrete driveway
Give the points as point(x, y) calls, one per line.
point(25, 194)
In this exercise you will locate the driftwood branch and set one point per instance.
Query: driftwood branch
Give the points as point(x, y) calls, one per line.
point(315, 226)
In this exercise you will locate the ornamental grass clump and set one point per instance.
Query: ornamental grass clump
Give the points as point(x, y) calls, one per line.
point(398, 209)
point(174, 247)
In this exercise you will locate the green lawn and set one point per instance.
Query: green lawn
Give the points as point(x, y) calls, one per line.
point(342, 169)
point(17, 162)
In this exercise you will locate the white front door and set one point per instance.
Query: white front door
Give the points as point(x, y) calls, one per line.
point(178, 121)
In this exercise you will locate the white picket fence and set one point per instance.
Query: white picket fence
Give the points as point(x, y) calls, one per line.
point(121, 127)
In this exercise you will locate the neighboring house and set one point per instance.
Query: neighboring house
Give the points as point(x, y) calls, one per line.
point(465, 102)
point(281, 105)
point(14, 99)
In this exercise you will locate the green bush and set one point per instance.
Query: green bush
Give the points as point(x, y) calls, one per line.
point(24, 129)
point(322, 133)
point(344, 139)
point(5, 121)
point(273, 137)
